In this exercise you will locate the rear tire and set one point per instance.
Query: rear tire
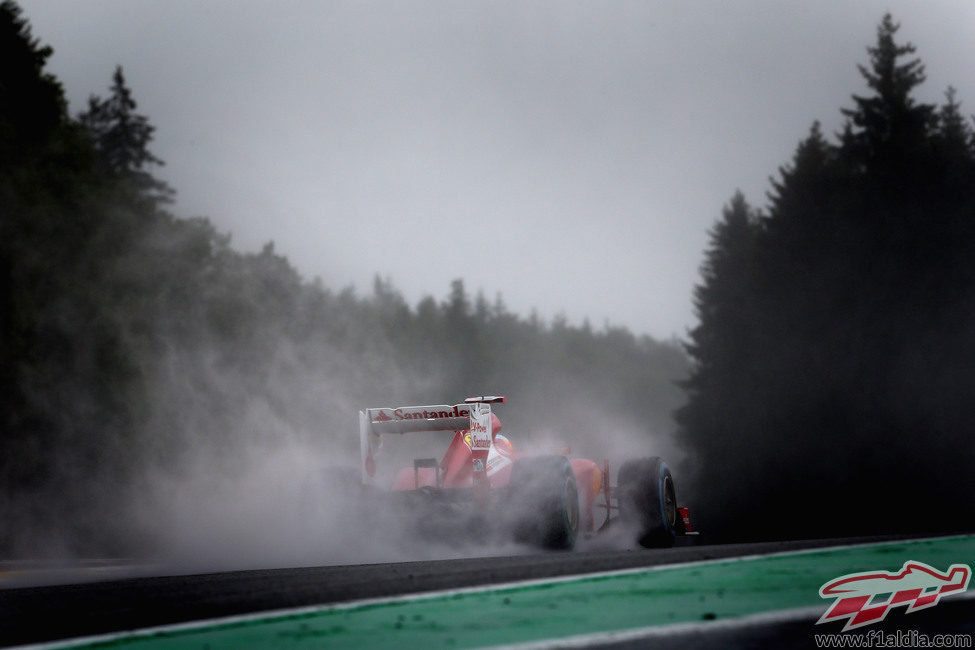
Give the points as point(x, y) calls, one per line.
point(648, 501)
point(545, 502)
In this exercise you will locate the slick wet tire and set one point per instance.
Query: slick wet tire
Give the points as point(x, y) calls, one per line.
point(545, 502)
point(648, 501)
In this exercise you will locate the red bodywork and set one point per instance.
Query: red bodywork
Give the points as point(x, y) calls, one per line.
point(455, 470)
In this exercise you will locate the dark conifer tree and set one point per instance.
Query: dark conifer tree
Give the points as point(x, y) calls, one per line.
point(32, 105)
point(121, 137)
point(889, 126)
point(721, 300)
point(720, 345)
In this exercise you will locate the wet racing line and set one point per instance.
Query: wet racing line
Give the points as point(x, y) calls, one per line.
point(702, 603)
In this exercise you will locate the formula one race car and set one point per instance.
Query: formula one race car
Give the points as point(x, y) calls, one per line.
point(482, 485)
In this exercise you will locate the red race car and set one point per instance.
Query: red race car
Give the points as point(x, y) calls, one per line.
point(481, 485)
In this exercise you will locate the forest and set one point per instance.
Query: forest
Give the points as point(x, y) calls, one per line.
point(826, 389)
point(139, 348)
point(833, 381)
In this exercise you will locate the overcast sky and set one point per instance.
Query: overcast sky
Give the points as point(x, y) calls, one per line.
point(570, 157)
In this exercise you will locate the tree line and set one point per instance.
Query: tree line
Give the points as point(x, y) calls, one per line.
point(833, 364)
point(135, 341)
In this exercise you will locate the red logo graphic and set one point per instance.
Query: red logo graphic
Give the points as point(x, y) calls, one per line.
point(382, 417)
point(866, 598)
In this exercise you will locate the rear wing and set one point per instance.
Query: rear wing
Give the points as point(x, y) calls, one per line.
point(473, 415)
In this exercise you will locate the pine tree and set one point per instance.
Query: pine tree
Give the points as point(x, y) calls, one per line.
point(889, 125)
point(32, 104)
point(720, 301)
point(720, 345)
point(121, 138)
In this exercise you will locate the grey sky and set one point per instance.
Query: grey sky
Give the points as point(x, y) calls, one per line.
point(569, 156)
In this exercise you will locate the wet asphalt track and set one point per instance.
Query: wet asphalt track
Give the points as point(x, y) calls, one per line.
point(46, 613)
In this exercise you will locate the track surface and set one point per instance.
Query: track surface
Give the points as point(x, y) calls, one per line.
point(35, 614)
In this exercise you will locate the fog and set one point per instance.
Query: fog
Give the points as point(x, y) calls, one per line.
point(281, 498)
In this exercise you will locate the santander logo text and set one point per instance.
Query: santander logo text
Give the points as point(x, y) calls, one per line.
point(420, 413)
point(866, 598)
